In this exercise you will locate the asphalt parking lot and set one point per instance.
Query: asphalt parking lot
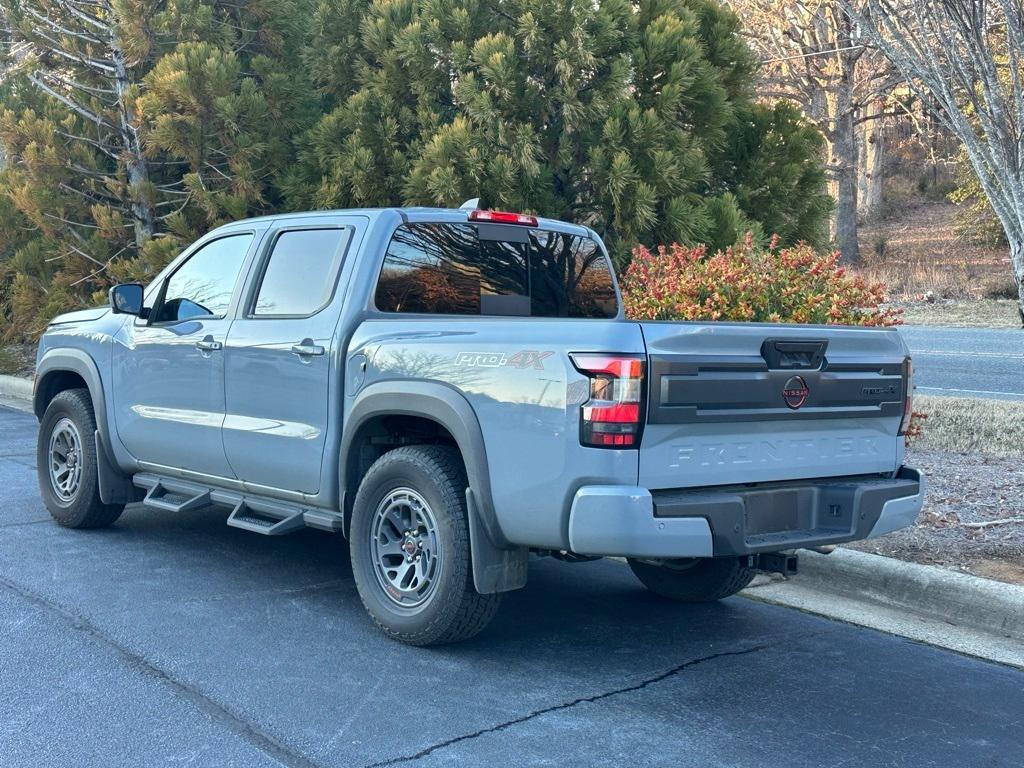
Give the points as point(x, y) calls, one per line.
point(175, 640)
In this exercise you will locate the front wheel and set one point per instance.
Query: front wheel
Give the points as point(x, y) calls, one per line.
point(694, 580)
point(66, 463)
point(409, 544)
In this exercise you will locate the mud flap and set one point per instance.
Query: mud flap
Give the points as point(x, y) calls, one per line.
point(494, 569)
point(115, 486)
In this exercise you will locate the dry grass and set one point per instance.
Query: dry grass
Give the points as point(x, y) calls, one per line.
point(976, 313)
point(915, 251)
point(8, 363)
point(970, 452)
point(970, 425)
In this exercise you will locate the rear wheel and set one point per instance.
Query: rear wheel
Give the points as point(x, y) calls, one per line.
point(409, 542)
point(694, 580)
point(66, 463)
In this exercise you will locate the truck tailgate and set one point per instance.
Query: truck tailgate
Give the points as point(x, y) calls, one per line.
point(742, 403)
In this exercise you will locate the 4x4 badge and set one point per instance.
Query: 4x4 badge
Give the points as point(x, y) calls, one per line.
point(795, 392)
point(527, 358)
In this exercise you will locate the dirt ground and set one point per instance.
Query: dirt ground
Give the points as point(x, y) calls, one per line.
point(963, 524)
point(973, 501)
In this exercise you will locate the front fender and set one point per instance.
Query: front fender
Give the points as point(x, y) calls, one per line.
point(71, 360)
point(115, 484)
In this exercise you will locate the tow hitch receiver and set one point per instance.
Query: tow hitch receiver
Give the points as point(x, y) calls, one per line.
point(774, 562)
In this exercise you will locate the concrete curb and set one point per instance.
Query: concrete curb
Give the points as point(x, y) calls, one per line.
point(952, 610)
point(957, 598)
point(16, 387)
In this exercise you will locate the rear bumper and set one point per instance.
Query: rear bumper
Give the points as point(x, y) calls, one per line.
point(742, 520)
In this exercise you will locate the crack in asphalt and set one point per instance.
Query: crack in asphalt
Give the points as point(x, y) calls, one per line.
point(566, 705)
point(207, 706)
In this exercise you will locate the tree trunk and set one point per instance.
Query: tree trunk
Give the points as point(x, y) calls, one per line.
point(1017, 261)
point(140, 191)
point(844, 158)
point(874, 161)
point(844, 153)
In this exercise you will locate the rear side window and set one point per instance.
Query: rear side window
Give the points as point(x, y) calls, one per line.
point(569, 277)
point(301, 273)
point(465, 269)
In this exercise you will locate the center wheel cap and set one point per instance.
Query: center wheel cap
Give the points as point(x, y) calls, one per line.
point(405, 548)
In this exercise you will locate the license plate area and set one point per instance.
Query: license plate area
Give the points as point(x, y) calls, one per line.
point(779, 511)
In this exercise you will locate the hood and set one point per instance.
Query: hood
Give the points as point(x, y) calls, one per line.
point(81, 316)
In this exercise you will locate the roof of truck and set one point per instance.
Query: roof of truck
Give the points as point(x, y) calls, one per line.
point(412, 213)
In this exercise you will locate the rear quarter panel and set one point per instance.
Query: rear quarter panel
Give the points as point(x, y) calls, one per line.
point(517, 376)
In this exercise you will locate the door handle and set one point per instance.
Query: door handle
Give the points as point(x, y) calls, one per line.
point(307, 348)
point(208, 345)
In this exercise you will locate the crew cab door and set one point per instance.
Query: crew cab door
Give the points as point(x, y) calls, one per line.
point(168, 369)
point(279, 357)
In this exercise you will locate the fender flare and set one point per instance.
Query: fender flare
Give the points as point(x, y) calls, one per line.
point(72, 360)
point(115, 485)
point(497, 564)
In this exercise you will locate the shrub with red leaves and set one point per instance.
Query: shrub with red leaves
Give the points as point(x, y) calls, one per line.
point(751, 283)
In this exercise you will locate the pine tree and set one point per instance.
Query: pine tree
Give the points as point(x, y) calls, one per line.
point(76, 168)
point(129, 127)
point(132, 126)
point(85, 56)
point(225, 103)
point(607, 113)
point(766, 164)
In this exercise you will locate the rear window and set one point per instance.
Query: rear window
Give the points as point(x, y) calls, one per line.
point(488, 269)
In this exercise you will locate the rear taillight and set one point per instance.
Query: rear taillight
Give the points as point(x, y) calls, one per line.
point(908, 395)
point(503, 217)
point(613, 416)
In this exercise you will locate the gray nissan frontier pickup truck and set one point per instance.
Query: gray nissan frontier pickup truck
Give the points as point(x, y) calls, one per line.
point(455, 391)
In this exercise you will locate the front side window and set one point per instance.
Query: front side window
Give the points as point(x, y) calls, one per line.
point(300, 275)
point(202, 286)
point(464, 269)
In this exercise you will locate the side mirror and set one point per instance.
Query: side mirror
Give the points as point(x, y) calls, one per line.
point(126, 299)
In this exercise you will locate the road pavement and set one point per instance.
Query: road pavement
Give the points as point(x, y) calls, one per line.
point(967, 362)
point(171, 639)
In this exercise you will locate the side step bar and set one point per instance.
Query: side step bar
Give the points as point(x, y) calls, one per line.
point(162, 497)
point(258, 514)
point(262, 518)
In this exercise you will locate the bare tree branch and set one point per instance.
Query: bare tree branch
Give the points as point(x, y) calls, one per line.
point(965, 56)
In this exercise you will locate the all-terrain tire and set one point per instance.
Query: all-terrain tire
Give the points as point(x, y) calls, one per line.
point(699, 581)
point(83, 508)
point(453, 610)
